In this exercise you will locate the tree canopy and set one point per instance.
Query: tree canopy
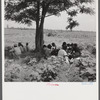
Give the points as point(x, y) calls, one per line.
point(25, 11)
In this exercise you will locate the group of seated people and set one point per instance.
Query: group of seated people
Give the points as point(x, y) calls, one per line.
point(19, 49)
point(67, 51)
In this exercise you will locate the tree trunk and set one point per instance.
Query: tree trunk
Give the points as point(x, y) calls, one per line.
point(37, 40)
point(39, 37)
point(39, 27)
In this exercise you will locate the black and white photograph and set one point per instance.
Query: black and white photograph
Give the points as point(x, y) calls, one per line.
point(50, 41)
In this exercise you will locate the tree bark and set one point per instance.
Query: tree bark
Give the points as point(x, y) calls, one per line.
point(37, 40)
point(39, 28)
point(39, 36)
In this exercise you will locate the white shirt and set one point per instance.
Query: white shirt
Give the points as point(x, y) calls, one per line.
point(22, 49)
point(17, 50)
point(62, 53)
point(53, 47)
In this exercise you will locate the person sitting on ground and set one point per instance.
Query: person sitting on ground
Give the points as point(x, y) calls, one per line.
point(46, 51)
point(54, 50)
point(71, 44)
point(8, 52)
point(76, 51)
point(69, 49)
point(16, 51)
point(49, 46)
point(20, 45)
point(43, 49)
point(63, 54)
point(53, 46)
point(64, 44)
point(27, 47)
point(68, 45)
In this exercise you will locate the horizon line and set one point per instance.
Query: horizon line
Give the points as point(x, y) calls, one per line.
point(48, 29)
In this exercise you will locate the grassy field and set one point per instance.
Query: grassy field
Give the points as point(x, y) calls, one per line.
point(28, 69)
point(58, 36)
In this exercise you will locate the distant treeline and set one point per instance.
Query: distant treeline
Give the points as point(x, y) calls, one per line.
point(48, 29)
point(21, 28)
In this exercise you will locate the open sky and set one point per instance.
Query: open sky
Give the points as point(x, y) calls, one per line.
point(87, 22)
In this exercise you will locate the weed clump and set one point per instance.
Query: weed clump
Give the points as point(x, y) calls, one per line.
point(51, 34)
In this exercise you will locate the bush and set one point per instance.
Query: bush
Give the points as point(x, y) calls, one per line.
point(48, 76)
point(7, 52)
point(91, 49)
point(53, 69)
point(51, 34)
